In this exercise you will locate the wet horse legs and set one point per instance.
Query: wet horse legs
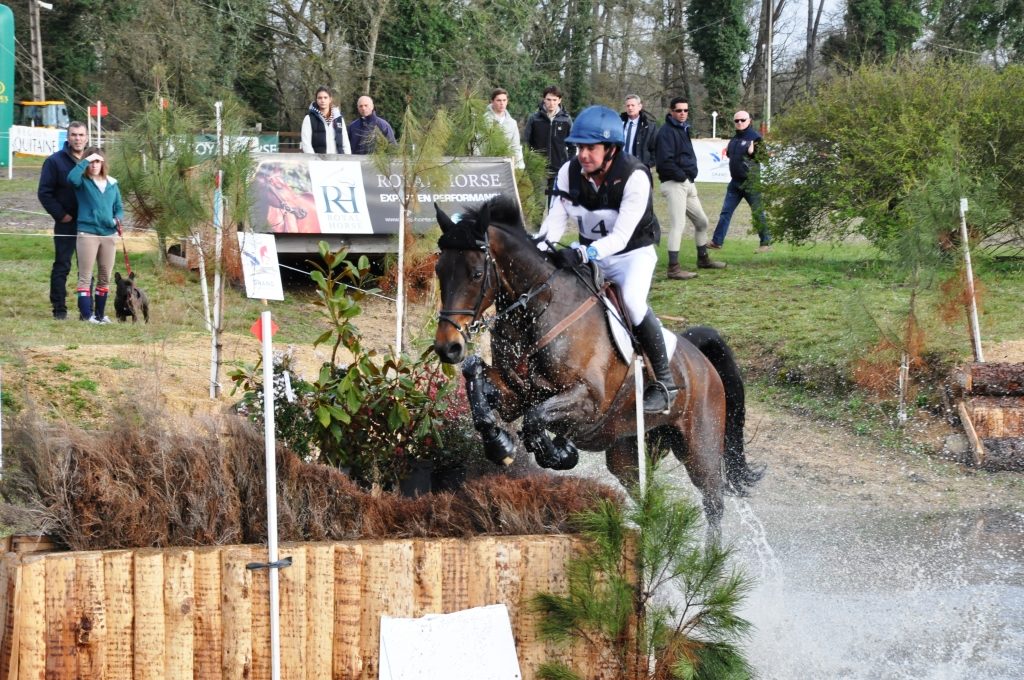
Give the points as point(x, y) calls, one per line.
point(499, 446)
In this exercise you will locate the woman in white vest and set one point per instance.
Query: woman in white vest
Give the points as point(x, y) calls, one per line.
point(323, 128)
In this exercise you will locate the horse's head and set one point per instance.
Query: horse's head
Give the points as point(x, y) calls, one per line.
point(466, 273)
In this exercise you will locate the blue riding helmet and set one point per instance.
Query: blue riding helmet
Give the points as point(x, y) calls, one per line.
point(597, 125)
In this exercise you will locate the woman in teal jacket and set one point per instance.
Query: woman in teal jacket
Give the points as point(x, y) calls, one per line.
point(99, 222)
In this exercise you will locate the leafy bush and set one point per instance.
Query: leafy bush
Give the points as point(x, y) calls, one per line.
point(369, 417)
point(848, 159)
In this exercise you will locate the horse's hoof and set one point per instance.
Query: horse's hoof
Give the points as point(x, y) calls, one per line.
point(543, 451)
point(566, 453)
point(500, 449)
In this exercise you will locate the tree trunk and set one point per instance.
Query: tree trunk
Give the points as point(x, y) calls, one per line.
point(813, 21)
point(376, 19)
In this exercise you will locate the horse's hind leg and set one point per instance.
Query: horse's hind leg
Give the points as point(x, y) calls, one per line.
point(701, 453)
point(621, 459)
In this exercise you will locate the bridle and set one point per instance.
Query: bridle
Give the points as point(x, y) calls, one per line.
point(480, 323)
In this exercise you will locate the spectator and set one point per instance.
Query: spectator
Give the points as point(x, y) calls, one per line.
point(57, 197)
point(363, 130)
point(99, 220)
point(321, 117)
point(497, 112)
point(546, 130)
point(743, 152)
point(640, 131)
point(677, 170)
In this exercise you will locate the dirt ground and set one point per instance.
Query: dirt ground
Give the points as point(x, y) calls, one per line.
point(836, 465)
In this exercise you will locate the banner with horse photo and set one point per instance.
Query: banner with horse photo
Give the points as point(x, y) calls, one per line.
point(348, 195)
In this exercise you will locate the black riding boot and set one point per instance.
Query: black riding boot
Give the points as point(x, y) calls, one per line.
point(658, 396)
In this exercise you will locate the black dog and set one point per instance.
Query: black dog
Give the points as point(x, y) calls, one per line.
point(130, 300)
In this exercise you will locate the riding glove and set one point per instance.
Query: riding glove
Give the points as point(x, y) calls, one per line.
point(567, 258)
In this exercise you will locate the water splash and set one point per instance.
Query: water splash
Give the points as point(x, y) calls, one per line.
point(868, 595)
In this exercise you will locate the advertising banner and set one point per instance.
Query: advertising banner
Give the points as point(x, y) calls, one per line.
point(206, 145)
point(37, 141)
point(347, 195)
point(712, 164)
point(6, 82)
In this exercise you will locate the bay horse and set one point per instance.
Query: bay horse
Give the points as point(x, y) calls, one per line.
point(555, 364)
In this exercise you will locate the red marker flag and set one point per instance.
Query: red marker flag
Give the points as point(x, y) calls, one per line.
point(257, 329)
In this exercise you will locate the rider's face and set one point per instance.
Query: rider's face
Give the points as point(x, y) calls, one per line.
point(591, 156)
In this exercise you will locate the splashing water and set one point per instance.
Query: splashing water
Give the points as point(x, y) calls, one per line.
point(866, 594)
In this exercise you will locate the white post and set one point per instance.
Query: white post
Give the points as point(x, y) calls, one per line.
point(400, 316)
point(99, 123)
point(202, 281)
point(714, 124)
point(271, 459)
point(969, 271)
point(218, 214)
point(638, 385)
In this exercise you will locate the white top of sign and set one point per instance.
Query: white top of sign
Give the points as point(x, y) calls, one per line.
point(259, 265)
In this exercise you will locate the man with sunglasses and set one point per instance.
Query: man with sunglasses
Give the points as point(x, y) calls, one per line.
point(743, 151)
point(676, 163)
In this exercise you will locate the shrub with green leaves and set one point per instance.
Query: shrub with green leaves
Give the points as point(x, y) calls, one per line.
point(370, 416)
point(648, 597)
point(847, 159)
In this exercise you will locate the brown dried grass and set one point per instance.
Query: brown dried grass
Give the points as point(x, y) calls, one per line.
point(151, 482)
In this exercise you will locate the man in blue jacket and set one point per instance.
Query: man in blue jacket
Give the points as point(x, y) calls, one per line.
point(57, 197)
point(743, 151)
point(677, 169)
point(362, 132)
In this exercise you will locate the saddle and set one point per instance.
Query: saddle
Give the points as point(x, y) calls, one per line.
point(619, 328)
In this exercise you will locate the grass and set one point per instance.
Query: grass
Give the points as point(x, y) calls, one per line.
point(796, 316)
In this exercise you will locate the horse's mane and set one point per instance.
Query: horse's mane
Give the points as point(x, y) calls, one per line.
point(503, 213)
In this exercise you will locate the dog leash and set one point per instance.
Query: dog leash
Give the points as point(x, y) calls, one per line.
point(124, 248)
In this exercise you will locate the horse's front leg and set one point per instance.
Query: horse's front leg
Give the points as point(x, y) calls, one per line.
point(558, 453)
point(484, 396)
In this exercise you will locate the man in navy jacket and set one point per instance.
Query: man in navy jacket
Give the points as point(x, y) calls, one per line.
point(743, 151)
point(57, 197)
point(676, 162)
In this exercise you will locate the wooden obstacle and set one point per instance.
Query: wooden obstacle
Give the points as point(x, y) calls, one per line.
point(200, 613)
point(992, 413)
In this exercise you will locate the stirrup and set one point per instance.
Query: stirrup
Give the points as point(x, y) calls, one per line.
point(665, 393)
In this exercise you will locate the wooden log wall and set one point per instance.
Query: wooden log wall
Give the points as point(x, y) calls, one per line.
point(182, 614)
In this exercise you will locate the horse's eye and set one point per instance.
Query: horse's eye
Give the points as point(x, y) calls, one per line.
point(478, 274)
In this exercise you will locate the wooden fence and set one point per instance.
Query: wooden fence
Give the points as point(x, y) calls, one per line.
point(200, 613)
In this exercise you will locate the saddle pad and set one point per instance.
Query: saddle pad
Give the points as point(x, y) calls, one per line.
point(622, 340)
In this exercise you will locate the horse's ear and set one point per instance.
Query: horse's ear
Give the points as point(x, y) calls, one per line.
point(443, 219)
point(483, 218)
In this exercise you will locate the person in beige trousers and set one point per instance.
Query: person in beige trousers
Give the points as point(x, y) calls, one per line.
point(676, 163)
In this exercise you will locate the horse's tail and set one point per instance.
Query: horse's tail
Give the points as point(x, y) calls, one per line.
point(739, 475)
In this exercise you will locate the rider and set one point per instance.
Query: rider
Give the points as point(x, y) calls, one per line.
point(608, 195)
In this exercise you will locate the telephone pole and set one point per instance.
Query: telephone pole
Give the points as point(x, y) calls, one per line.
point(38, 83)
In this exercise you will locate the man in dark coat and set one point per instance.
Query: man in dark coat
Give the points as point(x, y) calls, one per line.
point(363, 130)
point(546, 130)
point(57, 197)
point(640, 130)
point(677, 170)
point(743, 151)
